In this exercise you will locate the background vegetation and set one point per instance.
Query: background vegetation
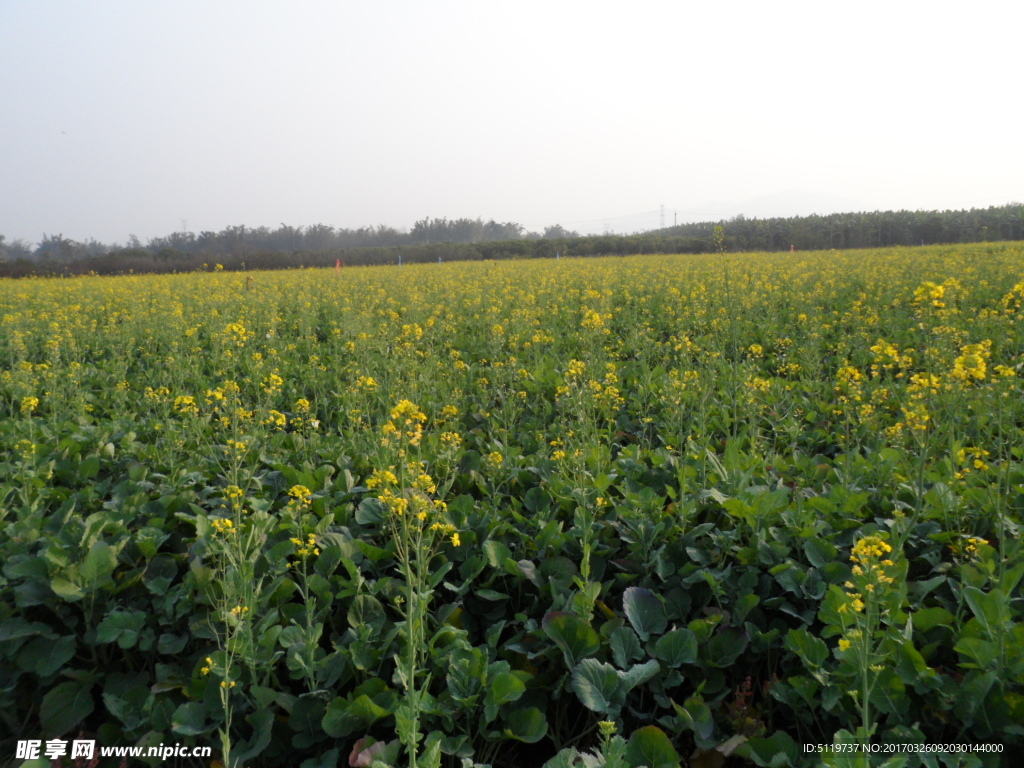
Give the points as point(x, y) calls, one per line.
point(240, 247)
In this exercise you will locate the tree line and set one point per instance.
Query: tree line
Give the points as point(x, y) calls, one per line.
point(432, 240)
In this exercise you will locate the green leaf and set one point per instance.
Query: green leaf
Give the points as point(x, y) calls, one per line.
point(572, 635)
point(99, 563)
point(597, 685)
point(983, 652)
point(497, 553)
point(89, 468)
point(122, 626)
point(929, 618)
point(536, 500)
point(625, 646)
point(819, 551)
point(45, 656)
point(366, 610)
point(676, 648)
point(696, 716)
point(645, 612)
point(992, 609)
point(637, 675)
point(330, 558)
point(64, 707)
point(503, 688)
point(764, 751)
point(972, 693)
point(811, 650)
point(651, 747)
point(725, 647)
point(260, 726)
point(528, 725)
point(564, 759)
point(66, 589)
point(189, 719)
point(344, 718)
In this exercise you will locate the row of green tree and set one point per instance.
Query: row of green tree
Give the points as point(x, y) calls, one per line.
point(864, 230)
point(433, 240)
point(242, 241)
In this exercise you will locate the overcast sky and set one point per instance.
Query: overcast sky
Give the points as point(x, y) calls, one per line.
point(145, 118)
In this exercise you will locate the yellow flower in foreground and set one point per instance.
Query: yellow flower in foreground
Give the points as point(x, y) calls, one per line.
point(300, 493)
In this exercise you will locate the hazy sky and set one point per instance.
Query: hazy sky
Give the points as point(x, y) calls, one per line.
point(121, 118)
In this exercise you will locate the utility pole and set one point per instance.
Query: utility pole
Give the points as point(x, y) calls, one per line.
point(662, 224)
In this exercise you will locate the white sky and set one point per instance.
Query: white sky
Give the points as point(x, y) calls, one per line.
point(121, 118)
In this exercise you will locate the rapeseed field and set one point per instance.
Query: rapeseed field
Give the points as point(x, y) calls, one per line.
point(622, 512)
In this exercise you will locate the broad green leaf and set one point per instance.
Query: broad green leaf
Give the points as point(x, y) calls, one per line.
point(637, 675)
point(725, 647)
point(676, 648)
point(366, 610)
point(596, 684)
point(928, 618)
point(64, 707)
point(819, 551)
point(45, 656)
point(991, 609)
point(764, 751)
point(66, 589)
point(811, 650)
point(503, 688)
point(625, 647)
point(645, 612)
point(99, 563)
point(528, 725)
point(189, 719)
point(497, 553)
point(651, 747)
point(696, 716)
point(122, 626)
point(261, 727)
point(343, 718)
point(572, 635)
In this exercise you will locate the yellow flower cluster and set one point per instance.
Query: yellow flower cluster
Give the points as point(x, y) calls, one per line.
point(276, 419)
point(307, 548)
point(379, 477)
point(366, 384)
point(272, 384)
point(595, 321)
point(451, 440)
point(301, 495)
point(972, 364)
point(1012, 301)
point(971, 458)
point(223, 525)
point(889, 359)
point(930, 294)
point(406, 421)
point(870, 557)
point(28, 405)
point(186, 404)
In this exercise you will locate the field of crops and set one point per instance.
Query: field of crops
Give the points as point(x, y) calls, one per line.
point(603, 512)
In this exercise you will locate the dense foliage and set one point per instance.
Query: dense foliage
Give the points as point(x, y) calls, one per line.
point(430, 240)
point(594, 512)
